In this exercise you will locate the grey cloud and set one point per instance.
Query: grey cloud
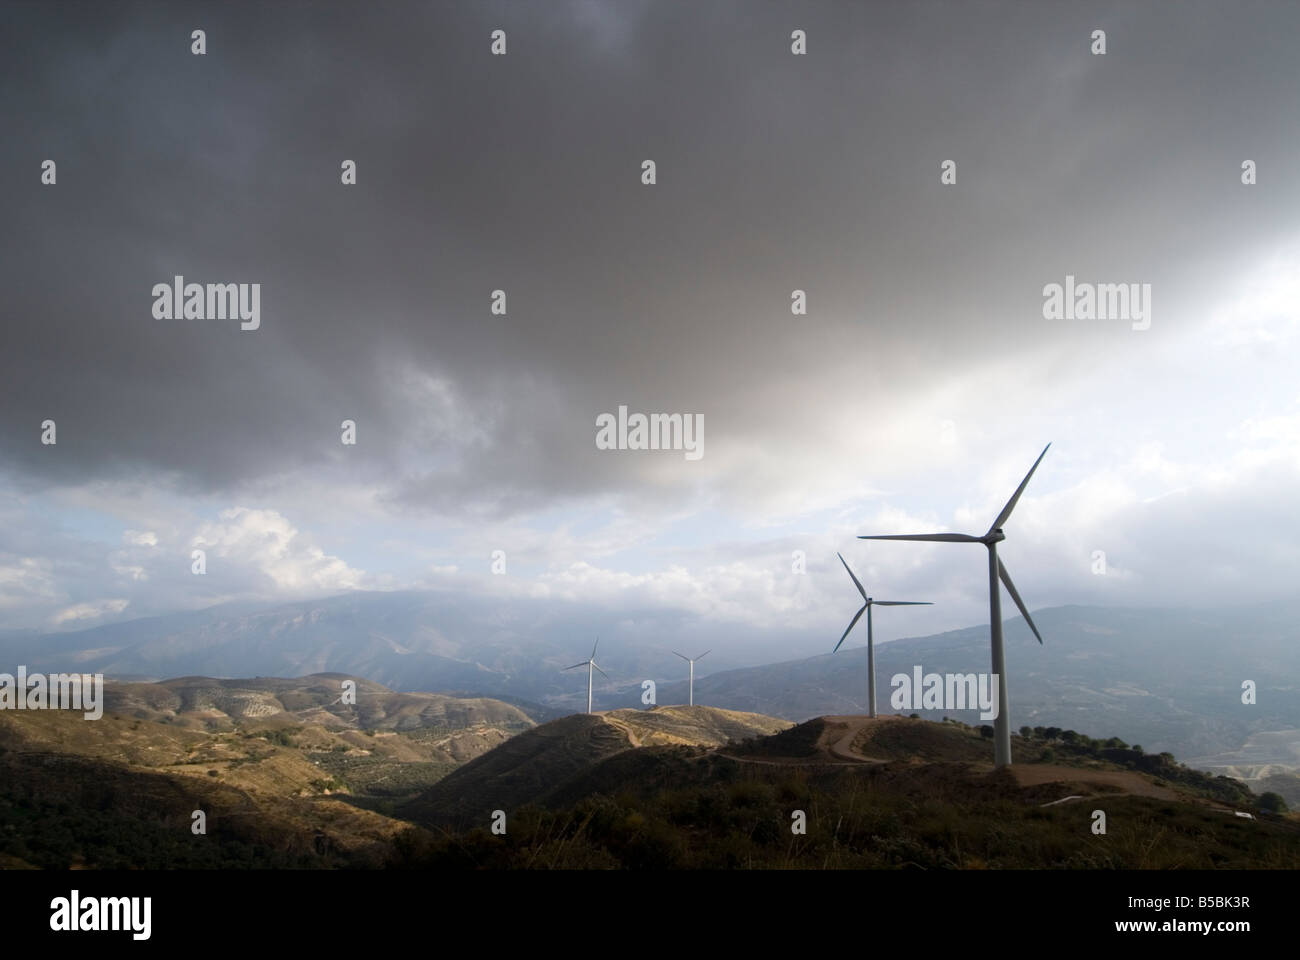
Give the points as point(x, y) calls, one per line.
point(521, 172)
point(775, 173)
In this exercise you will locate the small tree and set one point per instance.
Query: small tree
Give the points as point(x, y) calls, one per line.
point(986, 732)
point(1027, 732)
point(1272, 802)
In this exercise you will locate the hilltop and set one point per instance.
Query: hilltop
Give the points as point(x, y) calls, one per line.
point(541, 761)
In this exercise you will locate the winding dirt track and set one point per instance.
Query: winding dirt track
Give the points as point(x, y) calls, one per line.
point(837, 739)
point(835, 747)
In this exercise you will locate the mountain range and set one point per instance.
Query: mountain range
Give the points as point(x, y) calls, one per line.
point(1171, 680)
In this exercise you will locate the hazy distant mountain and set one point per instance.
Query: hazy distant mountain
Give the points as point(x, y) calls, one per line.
point(431, 641)
point(1166, 679)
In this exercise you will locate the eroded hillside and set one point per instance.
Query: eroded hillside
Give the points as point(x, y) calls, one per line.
point(283, 765)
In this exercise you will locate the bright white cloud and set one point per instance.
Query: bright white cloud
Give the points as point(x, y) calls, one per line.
point(267, 542)
point(88, 611)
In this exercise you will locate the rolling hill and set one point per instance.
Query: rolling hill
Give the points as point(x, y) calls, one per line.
point(279, 764)
point(287, 776)
point(540, 761)
point(839, 792)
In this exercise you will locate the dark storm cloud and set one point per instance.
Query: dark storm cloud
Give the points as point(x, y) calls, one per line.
point(522, 172)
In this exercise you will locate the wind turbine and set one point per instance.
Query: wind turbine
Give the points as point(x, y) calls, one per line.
point(692, 663)
point(589, 663)
point(1002, 725)
point(867, 604)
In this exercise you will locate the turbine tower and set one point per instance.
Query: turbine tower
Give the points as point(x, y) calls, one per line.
point(590, 663)
point(1002, 725)
point(692, 663)
point(867, 604)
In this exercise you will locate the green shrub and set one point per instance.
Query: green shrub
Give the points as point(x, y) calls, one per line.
point(1272, 802)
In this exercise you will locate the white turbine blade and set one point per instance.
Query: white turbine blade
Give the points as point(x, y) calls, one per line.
point(903, 603)
point(702, 655)
point(936, 537)
point(852, 623)
point(575, 666)
point(683, 656)
point(1005, 515)
point(593, 648)
point(1011, 589)
point(855, 579)
point(601, 672)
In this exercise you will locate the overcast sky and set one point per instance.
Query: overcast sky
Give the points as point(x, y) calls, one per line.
point(914, 394)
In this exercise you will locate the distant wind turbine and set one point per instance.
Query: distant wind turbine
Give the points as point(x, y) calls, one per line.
point(692, 663)
point(590, 663)
point(1002, 725)
point(867, 604)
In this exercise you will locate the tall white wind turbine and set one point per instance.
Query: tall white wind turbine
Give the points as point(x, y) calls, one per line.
point(867, 604)
point(590, 664)
point(1002, 725)
point(692, 663)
